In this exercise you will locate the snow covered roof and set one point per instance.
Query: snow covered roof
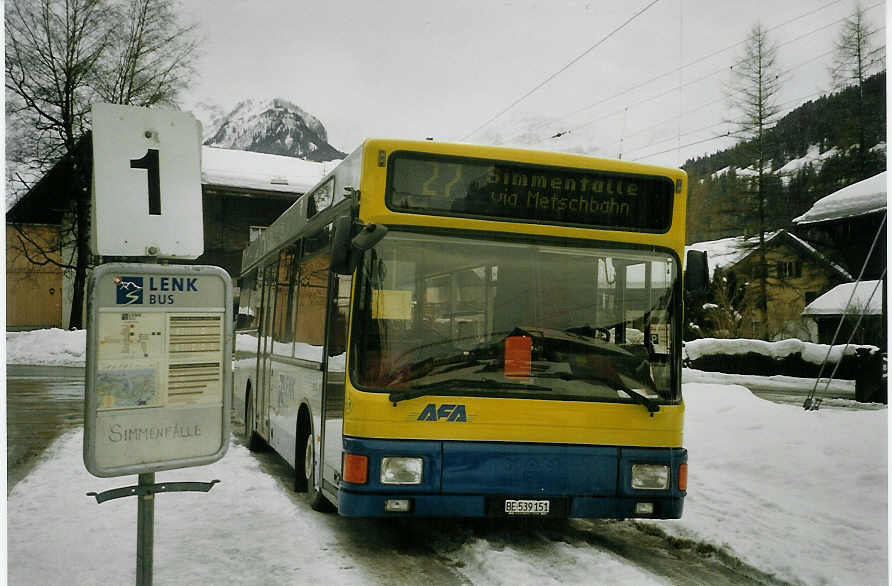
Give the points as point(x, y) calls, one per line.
point(720, 253)
point(860, 198)
point(727, 252)
point(867, 298)
point(246, 169)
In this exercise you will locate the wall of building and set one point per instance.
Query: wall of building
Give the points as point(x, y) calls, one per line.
point(799, 279)
point(33, 289)
point(227, 226)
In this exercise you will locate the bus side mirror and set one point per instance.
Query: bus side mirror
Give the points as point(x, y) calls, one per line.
point(347, 249)
point(368, 237)
point(696, 277)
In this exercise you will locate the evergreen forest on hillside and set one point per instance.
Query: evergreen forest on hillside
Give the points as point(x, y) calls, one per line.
point(720, 200)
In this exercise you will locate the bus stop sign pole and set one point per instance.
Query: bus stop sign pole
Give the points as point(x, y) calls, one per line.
point(145, 515)
point(145, 531)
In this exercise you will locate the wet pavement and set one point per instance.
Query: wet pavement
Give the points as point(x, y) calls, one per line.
point(41, 403)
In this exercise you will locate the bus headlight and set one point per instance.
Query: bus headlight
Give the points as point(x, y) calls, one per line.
point(401, 470)
point(650, 476)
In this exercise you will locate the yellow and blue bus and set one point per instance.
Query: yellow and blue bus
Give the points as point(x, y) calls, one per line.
point(454, 330)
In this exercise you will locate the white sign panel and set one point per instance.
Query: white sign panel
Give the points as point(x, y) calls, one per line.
point(159, 377)
point(146, 183)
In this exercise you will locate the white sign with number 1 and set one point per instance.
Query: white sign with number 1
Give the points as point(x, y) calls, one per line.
point(146, 183)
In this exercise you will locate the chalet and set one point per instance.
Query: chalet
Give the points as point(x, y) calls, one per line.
point(241, 193)
point(850, 226)
point(851, 311)
point(798, 273)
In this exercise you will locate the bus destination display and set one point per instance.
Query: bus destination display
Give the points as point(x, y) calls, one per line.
point(431, 184)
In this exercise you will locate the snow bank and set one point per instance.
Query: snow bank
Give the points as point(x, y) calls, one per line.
point(52, 347)
point(246, 530)
point(810, 352)
point(837, 390)
point(801, 494)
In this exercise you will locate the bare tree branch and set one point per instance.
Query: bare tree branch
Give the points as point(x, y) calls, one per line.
point(61, 55)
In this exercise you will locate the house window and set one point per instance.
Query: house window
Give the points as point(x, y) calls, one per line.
point(789, 269)
point(254, 232)
point(757, 329)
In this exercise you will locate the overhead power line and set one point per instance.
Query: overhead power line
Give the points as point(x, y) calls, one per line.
point(699, 60)
point(796, 103)
point(676, 88)
point(561, 70)
point(694, 81)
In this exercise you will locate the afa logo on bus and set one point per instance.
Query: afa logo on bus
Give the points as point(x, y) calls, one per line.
point(445, 412)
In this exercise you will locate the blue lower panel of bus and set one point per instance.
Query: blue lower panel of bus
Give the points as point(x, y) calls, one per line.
point(474, 479)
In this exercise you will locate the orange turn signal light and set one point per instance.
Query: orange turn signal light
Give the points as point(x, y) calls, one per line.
point(356, 468)
point(683, 477)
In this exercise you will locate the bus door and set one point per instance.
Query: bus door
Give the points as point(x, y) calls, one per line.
point(264, 359)
point(335, 378)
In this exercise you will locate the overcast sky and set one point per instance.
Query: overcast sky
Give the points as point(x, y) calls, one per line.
point(415, 69)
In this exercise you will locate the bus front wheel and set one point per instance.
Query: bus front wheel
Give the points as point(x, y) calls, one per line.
point(314, 493)
point(254, 440)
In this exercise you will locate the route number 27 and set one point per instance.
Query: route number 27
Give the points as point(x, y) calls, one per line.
point(430, 186)
point(149, 162)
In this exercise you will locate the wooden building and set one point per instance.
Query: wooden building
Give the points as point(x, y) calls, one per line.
point(850, 226)
point(241, 192)
point(798, 273)
point(849, 312)
point(33, 289)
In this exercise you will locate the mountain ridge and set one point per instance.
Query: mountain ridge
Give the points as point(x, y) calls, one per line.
point(273, 126)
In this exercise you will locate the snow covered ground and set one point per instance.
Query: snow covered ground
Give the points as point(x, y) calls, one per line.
point(801, 495)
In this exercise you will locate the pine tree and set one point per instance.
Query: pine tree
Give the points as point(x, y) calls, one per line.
point(855, 58)
point(752, 93)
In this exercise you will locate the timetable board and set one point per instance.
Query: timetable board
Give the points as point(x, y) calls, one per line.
point(158, 368)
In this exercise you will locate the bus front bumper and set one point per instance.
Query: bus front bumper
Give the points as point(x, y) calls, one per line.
point(491, 479)
point(354, 504)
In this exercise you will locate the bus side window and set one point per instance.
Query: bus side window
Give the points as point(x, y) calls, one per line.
point(313, 277)
point(249, 303)
point(282, 324)
point(340, 315)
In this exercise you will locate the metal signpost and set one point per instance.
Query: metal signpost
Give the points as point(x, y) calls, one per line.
point(159, 337)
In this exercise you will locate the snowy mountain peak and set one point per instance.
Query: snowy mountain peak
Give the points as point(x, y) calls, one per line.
point(273, 126)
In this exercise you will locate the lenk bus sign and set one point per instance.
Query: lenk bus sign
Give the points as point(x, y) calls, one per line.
point(159, 342)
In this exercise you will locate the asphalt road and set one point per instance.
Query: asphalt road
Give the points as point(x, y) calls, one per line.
point(41, 403)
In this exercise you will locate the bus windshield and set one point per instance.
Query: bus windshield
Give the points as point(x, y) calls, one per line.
point(557, 319)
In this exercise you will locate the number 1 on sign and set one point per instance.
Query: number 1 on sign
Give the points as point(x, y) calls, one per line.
point(149, 162)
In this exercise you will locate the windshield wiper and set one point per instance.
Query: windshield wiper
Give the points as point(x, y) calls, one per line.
point(640, 397)
point(456, 386)
point(617, 385)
